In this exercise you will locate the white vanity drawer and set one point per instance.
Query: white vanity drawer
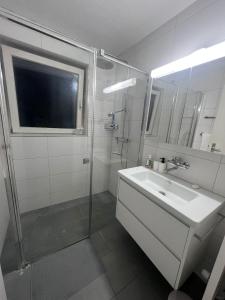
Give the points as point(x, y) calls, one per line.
point(162, 258)
point(170, 231)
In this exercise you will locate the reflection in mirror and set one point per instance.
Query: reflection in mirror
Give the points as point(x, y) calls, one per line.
point(210, 80)
point(188, 108)
point(152, 126)
point(172, 93)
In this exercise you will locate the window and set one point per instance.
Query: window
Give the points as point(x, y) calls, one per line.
point(45, 96)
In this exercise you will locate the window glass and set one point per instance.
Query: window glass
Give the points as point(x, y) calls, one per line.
point(46, 96)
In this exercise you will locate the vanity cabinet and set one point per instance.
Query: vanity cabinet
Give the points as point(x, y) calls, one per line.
point(174, 247)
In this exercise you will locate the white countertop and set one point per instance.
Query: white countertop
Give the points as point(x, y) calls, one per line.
point(193, 212)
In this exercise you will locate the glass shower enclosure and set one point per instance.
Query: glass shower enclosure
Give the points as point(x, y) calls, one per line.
point(65, 145)
point(121, 92)
point(49, 150)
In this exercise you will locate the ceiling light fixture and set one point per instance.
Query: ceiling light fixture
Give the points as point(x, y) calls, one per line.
point(196, 58)
point(120, 85)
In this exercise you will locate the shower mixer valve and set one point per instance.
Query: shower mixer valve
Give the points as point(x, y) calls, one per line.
point(113, 125)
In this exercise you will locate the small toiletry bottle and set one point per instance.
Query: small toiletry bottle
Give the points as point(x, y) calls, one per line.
point(149, 162)
point(155, 165)
point(162, 165)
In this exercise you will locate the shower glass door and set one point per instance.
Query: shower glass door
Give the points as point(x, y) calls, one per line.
point(119, 107)
point(50, 108)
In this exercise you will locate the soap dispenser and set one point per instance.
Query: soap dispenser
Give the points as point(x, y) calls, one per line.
point(149, 162)
point(162, 165)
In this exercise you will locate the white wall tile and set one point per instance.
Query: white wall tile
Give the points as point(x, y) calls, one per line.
point(219, 186)
point(113, 180)
point(29, 188)
point(133, 151)
point(223, 159)
point(134, 131)
point(67, 145)
point(29, 147)
point(31, 168)
point(67, 164)
point(31, 203)
point(69, 186)
point(100, 177)
point(60, 146)
point(102, 144)
point(149, 150)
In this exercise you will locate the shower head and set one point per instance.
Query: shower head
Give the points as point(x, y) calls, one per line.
point(104, 64)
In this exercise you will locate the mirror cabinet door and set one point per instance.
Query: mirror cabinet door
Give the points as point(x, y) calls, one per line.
point(188, 108)
point(209, 80)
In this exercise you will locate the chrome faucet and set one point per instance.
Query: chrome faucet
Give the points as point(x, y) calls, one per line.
point(113, 124)
point(178, 163)
point(214, 149)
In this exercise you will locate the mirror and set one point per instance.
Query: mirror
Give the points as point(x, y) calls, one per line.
point(188, 108)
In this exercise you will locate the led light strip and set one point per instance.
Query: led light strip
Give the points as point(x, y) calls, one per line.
point(120, 85)
point(196, 58)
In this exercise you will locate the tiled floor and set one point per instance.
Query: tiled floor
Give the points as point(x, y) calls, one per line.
point(110, 265)
point(50, 229)
point(130, 273)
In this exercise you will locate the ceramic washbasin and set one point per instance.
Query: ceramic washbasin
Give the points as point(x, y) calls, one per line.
point(174, 195)
point(173, 191)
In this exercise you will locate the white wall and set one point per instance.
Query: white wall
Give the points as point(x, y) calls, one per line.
point(49, 170)
point(202, 24)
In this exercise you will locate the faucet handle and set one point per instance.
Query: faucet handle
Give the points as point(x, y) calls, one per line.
point(187, 165)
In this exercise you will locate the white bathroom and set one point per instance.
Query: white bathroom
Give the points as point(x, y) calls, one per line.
point(112, 117)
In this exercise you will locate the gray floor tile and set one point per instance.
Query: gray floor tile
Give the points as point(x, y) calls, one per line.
point(139, 289)
point(18, 286)
point(119, 270)
point(99, 289)
point(100, 244)
point(60, 275)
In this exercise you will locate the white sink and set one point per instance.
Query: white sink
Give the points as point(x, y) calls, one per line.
point(192, 206)
point(170, 189)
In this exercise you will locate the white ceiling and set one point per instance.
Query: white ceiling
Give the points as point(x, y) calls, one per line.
point(114, 25)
